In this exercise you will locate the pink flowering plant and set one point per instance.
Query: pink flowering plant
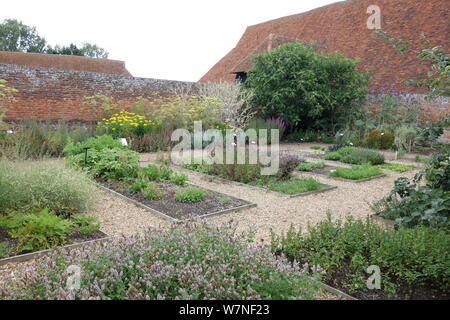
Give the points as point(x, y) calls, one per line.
point(188, 261)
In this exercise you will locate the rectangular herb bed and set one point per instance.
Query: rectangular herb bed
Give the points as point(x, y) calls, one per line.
point(76, 239)
point(260, 187)
point(325, 171)
point(214, 203)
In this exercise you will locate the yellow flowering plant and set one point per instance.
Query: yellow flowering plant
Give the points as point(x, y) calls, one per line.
point(125, 123)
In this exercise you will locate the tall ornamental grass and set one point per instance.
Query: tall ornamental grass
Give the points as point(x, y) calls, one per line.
point(31, 185)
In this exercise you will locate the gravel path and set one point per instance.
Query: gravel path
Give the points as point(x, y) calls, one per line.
point(273, 212)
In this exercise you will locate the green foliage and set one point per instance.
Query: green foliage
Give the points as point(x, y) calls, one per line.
point(156, 173)
point(357, 172)
point(405, 256)
point(138, 185)
point(422, 159)
point(333, 156)
point(41, 231)
point(397, 167)
point(97, 143)
point(260, 124)
point(16, 36)
point(405, 137)
point(437, 172)
point(303, 87)
point(5, 250)
point(152, 192)
point(428, 134)
point(363, 156)
point(294, 186)
point(410, 205)
point(310, 166)
point(355, 156)
point(35, 140)
point(380, 139)
point(309, 136)
point(26, 186)
point(319, 148)
point(115, 163)
point(85, 224)
point(190, 195)
point(179, 179)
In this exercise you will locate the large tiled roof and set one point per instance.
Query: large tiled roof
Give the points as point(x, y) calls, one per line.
point(342, 26)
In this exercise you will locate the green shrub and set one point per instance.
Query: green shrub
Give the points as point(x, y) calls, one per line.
point(157, 173)
point(26, 186)
point(437, 172)
point(85, 224)
point(310, 166)
point(295, 186)
point(93, 144)
point(358, 156)
point(41, 231)
point(334, 156)
point(306, 88)
point(138, 185)
point(113, 163)
point(287, 165)
point(179, 179)
point(195, 261)
point(152, 192)
point(356, 172)
point(380, 139)
point(403, 255)
point(190, 195)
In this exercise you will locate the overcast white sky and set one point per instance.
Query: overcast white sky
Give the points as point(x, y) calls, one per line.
point(166, 39)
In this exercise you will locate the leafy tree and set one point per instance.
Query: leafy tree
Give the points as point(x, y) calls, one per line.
point(309, 90)
point(94, 51)
point(16, 36)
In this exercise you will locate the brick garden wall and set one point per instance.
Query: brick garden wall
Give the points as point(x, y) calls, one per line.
point(58, 94)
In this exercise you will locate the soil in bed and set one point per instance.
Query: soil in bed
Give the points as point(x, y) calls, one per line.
point(212, 203)
point(323, 171)
point(74, 238)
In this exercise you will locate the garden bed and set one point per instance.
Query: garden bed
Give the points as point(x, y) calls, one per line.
point(214, 203)
point(75, 239)
point(260, 187)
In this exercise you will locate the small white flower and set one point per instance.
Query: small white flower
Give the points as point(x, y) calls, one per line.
point(252, 142)
point(333, 170)
point(301, 139)
point(9, 131)
point(351, 143)
point(341, 134)
point(382, 133)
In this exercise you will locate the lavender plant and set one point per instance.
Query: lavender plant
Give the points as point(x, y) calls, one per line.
point(189, 261)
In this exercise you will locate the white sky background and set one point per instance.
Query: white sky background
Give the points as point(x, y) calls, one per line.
point(165, 39)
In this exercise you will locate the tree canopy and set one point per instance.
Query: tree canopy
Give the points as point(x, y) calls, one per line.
point(18, 37)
